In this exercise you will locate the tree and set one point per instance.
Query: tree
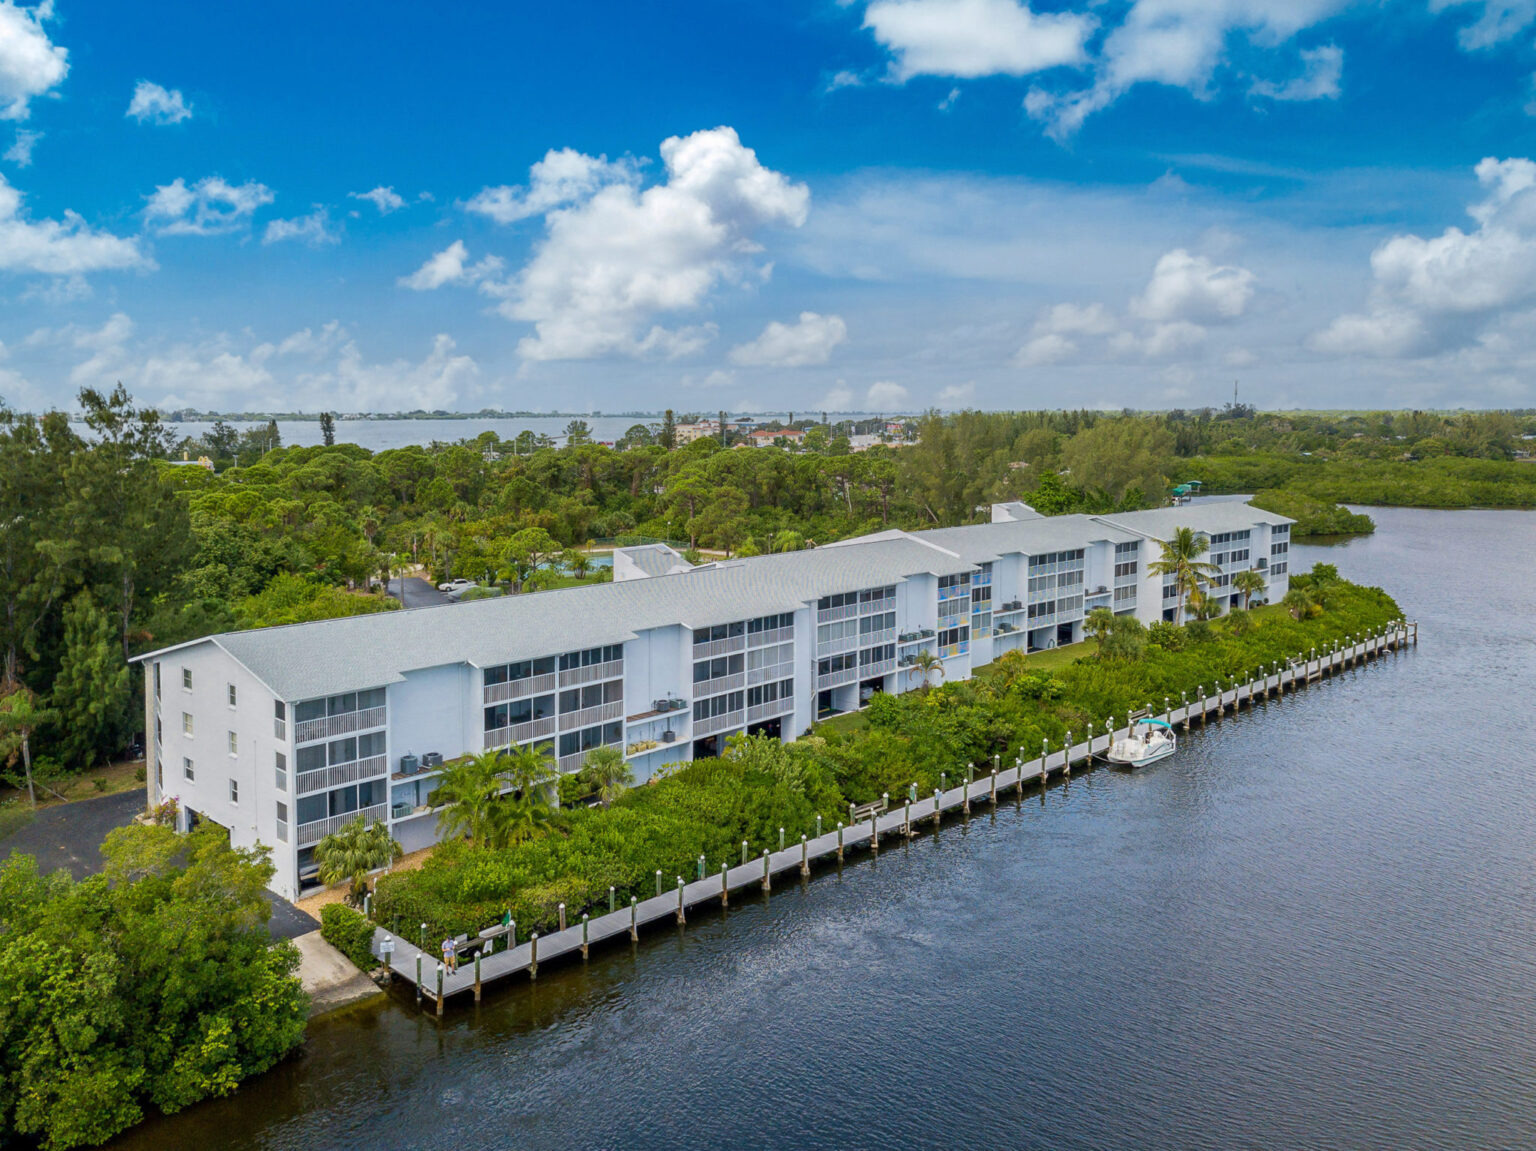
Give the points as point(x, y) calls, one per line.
point(577, 432)
point(35, 569)
point(580, 564)
point(353, 850)
point(328, 429)
point(467, 791)
point(1180, 558)
point(1099, 623)
point(1126, 639)
point(722, 521)
point(527, 551)
point(788, 541)
point(20, 716)
point(606, 767)
point(222, 441)
point(1300, 604)
point(924, 664)
point(90, 694)
point(668, 437)
point(1118, 456)
point(1248, 584)
point(639, 436)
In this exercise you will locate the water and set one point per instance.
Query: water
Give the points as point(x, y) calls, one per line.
point(1313, 927)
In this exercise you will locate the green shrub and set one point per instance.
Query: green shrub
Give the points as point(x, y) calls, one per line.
point(349, 933)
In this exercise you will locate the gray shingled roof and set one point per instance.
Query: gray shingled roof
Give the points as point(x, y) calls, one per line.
point(981, 542)
point(1210, 517)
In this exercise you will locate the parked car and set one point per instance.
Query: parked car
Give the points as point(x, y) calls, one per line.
point(454, 585)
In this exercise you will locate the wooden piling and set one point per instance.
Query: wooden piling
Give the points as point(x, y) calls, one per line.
point(725, 885)
point(533, 956)
point(634, 919)
point(477, 975)
point(561, 910)
point(767, 873)
point(839, 841)
point(585, 941)
point(805, 857)
point(682, 916)
point(439, 988)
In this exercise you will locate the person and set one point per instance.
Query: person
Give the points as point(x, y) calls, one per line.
point(450, 956)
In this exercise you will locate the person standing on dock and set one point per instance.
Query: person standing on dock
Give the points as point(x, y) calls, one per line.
point(450, 955)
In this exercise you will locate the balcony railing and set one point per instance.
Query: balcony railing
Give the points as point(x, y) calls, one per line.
point(719, 647)
point(950, 650)
point(834, 646)
point(733, 682)
point(836, 678)
point(770, 637)
point(761, 711)
point(578, 760)
point(832, 614)
point(883, 667)
point(769, 674)
point(948, 593)
point(312, 833)
point(718, 723)
point(874, 606)
point(519, 688)
point(876, 638)
point(520, 732)
point(592, 673)
point(323, 778)
point(343, 724)
point(587, 716)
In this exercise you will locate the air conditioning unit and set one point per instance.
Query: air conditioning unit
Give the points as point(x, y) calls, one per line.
point(669, 737)
point(409, 765)
point(661, 705)
point(432, 759)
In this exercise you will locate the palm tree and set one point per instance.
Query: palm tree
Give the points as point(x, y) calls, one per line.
point(925, 663)
point(467, 791)
point(352, 851)
point(788, 541)
point(1181, 559)
point(1250, 583)
point(20, 716)
point(606, 768)
point(1299, 603)
point(581, 564)
point(1098, 625)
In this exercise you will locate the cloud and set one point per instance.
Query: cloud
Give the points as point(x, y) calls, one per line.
point(844, 79)
point(562, 177)
point(1170, 339)
point(31, 65)
point(838, 399)
point(949, 101)
point(971, 38)
point(313, 229)
point(609, 265)
point(1322, 69)
point(1500, 20)
point(210, 207)
point(1079, 319)
point(20, 153)
point(1438, 294)
point(885, 395)
point(1051, 348)
point(810, 340)
point(386, 200)
point(1187, 287)
point(450, 266)
point(957, 395)
point(156, 105)
point(56, 248)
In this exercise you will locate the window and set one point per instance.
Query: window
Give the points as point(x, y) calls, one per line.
point(231, 695)
point(573, 742)
point(769, 692)
point(234, 744)
point(186, 679)
point(954, 635)
point(186, 723)
point(523, 669)
point(234, 792)
point(838, 629)
point(1280, 548)
point(1279, 569)
point(282, 772)
point(836, 663)
point(768, 656)
point(1125, 569)
point(187, 771)
point(1125, 594)
point(157, 681)
point(1130, 549)
point(719, 667)
point(282, 822)
point(520, 711)
point(593, 656)
point(770, 623)
point(981, 598)
point(711, 707)
point(1280, 531)
point(877, 654)
point(841, 599)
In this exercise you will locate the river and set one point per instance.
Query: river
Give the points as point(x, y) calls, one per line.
point(1313, 927)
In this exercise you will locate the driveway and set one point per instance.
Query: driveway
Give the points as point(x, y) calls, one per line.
point(413, 591)
point(69, 835)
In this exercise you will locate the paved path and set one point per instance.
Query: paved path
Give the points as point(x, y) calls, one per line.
point(413, 591)
point(329, 976)
point(69, 835)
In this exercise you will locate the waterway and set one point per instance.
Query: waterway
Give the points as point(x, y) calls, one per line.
point(1314, 927)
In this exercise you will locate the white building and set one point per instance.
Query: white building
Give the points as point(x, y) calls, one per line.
point(284, 734)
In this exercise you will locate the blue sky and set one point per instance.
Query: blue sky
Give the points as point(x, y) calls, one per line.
point(874, 205)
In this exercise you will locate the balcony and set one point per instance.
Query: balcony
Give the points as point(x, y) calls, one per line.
point(334, 725)
point(520, 688)
point(949, 651)
point(575, 762)
point(882, 667)
point(770, 637)
point(520, 732)
point(312, 833)
point(837, 678)
point(829, 614)
point(909, 638)
point(836, 646)
point(877, 638)
point(667, 708)
point(708, 687)
point(613, 669)
point(949, 593)
point(761, 711)
point(768, 674)
point(719, 647)
point(1012, 607)
point(324, 778)
point(718, 723)
point(587, 716)
point(875, 606)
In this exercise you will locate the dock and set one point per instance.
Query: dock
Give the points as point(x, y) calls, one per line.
point(433, 984)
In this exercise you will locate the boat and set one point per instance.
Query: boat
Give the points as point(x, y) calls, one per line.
point(1149, 741)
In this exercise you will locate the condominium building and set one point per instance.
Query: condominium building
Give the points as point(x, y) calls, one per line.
point(284, 734)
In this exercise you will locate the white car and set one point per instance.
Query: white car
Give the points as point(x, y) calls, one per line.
point(456, 585)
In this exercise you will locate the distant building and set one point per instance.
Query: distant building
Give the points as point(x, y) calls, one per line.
point(766, 436)
point(687, 433)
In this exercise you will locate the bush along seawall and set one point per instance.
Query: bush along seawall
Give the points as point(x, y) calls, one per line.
point(552, 866)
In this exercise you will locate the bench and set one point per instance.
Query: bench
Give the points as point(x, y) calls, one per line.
point(862, 811)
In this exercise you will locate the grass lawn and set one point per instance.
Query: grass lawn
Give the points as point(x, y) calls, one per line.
point(98, 781)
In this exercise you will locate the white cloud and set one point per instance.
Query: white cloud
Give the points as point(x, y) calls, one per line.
point(313, 229)
point(31, 65)
point(450, 266)
point(1500, 20)
point(957, 395)
point(1047, 349)
point(158, 105)
point(838, 399)
point(20, 152)
point(970, 38)
point(210, 207)
point(1170, 339)
point(56, 248)
point(809, 340)
point(1188, 287)
point(1079, 319)
point(562, 177)
point(949, 101)
point(610, 264)
point(1322, 68)
point(386, 200)
point(1437, 294)
point(844, 79)
point(884, 395)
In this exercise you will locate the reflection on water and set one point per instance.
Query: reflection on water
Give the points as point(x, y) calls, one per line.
point(1313, 927)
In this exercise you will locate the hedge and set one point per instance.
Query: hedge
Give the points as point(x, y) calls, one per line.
point(349, 933)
